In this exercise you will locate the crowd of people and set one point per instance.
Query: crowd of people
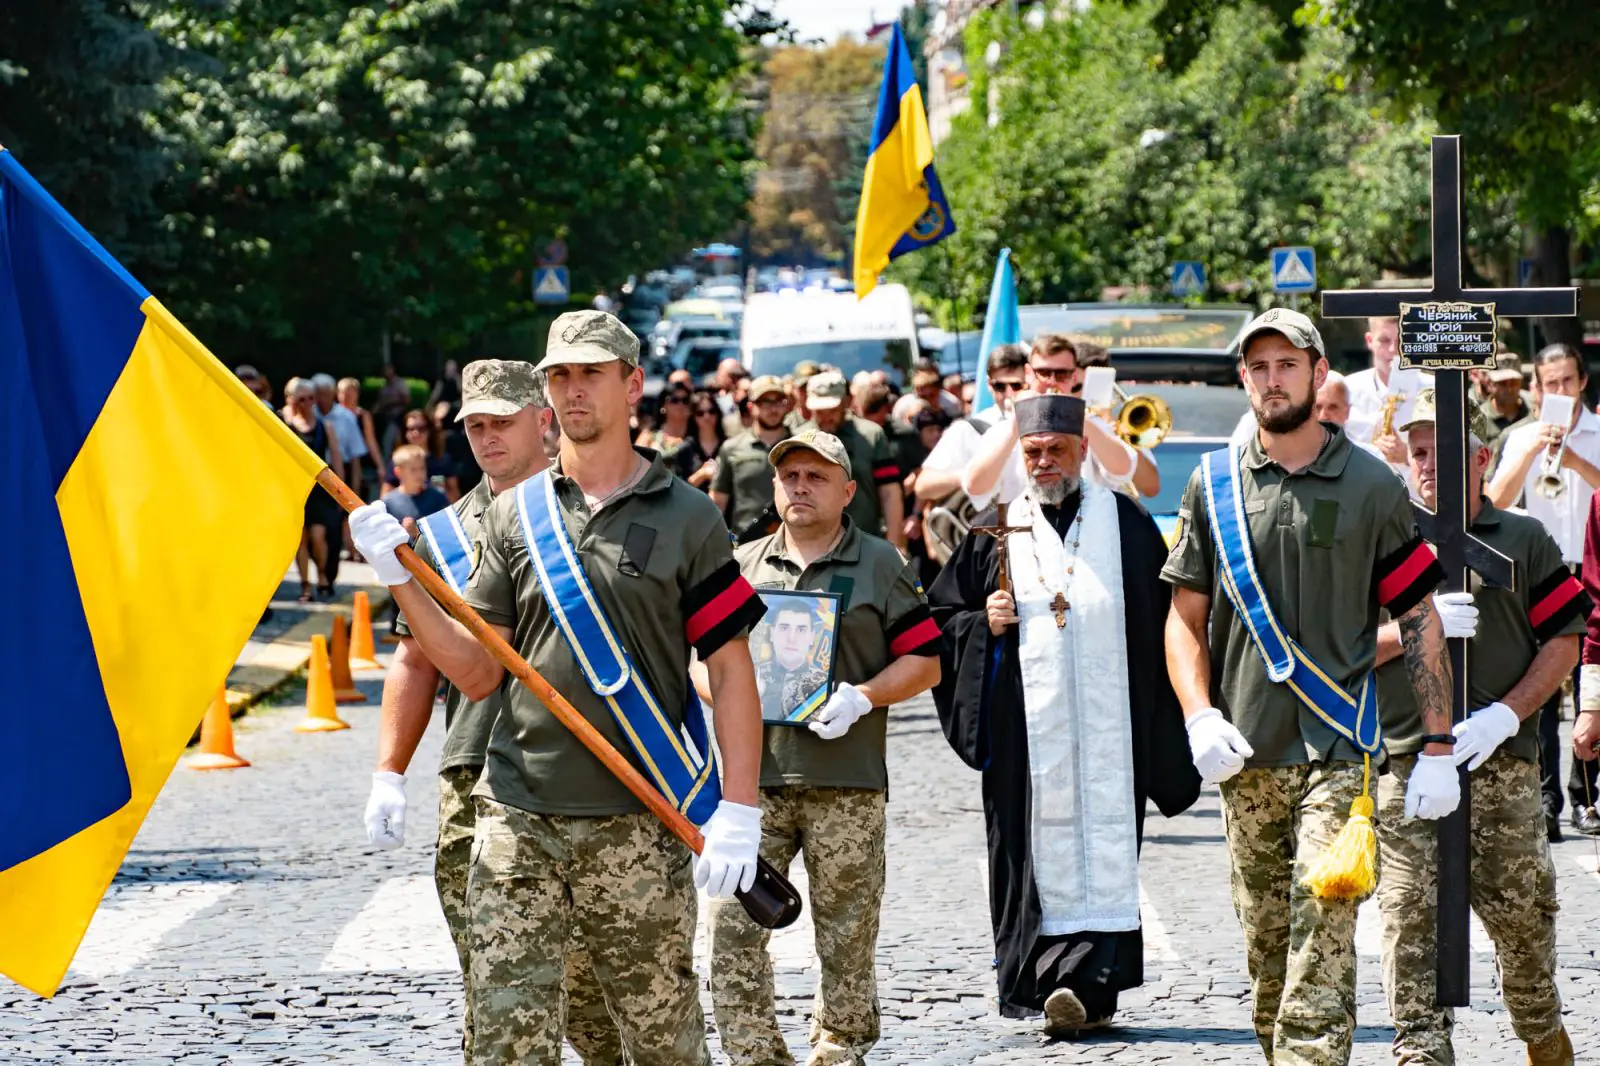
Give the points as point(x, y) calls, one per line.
point(415, 459)
point(1299, 612)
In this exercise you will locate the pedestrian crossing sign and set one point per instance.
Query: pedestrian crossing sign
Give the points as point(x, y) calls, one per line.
point(1294, 269)
point(1188, 278)
point(551, 285)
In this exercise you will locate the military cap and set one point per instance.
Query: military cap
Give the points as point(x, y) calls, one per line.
point(804, 369)
point(589, 337)
point(826, 390)
point(1423, 413)
point(498, 387)
point(766, 385)
point(1291, 324)
point(826, 445)
point(1507, 367)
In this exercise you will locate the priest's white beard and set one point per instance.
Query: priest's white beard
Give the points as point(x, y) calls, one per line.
point(1055, 493)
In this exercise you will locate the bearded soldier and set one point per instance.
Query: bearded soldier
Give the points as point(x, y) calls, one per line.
point(1286, 550)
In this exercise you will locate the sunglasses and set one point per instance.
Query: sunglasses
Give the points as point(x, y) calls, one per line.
point(1006, 386)
point(1049, 373)
point(677, 399)
point(706, 411)
point(414, 428)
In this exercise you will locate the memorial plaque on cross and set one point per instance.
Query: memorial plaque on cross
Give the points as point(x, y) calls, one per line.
point(1450, 330)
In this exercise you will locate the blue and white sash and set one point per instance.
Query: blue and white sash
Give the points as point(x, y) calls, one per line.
point(678, 760)
point(1353, 717)
point(451, 547)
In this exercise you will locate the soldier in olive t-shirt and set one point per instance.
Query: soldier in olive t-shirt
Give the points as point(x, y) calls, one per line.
point(878, 506)
point(1334, 539)
point(742, 487)
point(496, 397)
point(1525, 643)
point(823, 782)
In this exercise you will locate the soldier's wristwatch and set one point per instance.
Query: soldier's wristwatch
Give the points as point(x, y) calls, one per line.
point(1438, 738)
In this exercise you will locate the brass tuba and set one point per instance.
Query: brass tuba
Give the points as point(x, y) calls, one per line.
point(1143, 420)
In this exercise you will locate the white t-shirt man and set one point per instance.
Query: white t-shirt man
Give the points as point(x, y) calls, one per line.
point(1564, 517)
point(1014, 477)
point(1367, 395)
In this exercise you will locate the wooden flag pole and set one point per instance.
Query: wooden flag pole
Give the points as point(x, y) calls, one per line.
point(782, 901)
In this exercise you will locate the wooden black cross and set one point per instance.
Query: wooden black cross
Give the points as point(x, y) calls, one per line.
point(1447, 528)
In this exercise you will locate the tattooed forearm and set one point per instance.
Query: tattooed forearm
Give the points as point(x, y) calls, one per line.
point(1422, 638)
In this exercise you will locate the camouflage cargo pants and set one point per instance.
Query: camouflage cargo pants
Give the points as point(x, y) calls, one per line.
point(1301, 950)
point(622, 884)
point(590, 1029)
point(841, 832)
point(1513, 892)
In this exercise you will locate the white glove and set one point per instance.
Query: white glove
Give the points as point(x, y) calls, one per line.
point(1589, 687)
point(386, 810)
point(1484, 730)
point(1457, 613)
point(1218, 749)
point(376, 534)
point(1435, 788)
point(727, 860)
point(840, 712)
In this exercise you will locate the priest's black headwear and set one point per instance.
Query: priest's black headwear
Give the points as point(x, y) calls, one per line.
point(1051, 413)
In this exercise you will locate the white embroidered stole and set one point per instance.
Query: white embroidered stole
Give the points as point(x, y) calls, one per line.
point(1075, 695)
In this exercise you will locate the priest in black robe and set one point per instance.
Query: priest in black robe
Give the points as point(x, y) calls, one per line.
point(1069, 714)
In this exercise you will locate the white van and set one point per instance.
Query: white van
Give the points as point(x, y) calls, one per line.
point(784, 328)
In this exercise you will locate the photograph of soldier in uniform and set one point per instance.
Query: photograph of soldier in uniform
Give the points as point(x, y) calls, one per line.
point(793, 650)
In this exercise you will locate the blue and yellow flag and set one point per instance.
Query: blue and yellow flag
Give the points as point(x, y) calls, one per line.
point(902, 204)
point(153, 506)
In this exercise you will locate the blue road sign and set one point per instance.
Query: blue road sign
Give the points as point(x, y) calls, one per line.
point(1188, 278)
point(1294, 269)
point(551, 285)
point(1524, 272)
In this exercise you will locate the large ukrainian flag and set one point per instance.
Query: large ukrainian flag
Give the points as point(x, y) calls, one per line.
point(153, 504)
point(902, 207)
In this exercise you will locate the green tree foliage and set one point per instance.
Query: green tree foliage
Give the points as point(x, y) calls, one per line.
point(1101, 166)
point(815, 133)
point(1517, 80)
point(76, 77)
point(389, 166)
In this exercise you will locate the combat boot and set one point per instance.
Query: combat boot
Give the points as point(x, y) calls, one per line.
point(1552, 1051)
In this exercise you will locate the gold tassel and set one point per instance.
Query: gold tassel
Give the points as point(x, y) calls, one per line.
point(1349, 868)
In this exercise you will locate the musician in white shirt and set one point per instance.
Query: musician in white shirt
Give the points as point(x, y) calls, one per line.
point(1557, 371)
point(1529, 450)
point(996, 467)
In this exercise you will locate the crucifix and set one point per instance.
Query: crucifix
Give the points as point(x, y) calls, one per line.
point(1000, 532)
point(1059, 605)
point(1449, 330)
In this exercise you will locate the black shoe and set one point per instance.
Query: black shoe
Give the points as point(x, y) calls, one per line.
point(1586, 821)
point(1552, 827)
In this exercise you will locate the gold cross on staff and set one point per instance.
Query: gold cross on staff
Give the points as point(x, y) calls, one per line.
point(1060, 606)
point(1002, 557)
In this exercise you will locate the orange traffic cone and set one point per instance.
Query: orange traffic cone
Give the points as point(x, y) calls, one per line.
point(216, 738)
point(344, 688)
point(362, 654)
point(321, 717)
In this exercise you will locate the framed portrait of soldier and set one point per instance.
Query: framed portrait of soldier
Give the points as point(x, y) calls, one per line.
point(794, 648)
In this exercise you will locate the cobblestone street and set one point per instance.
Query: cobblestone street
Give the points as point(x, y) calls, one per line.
point(253, 924)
